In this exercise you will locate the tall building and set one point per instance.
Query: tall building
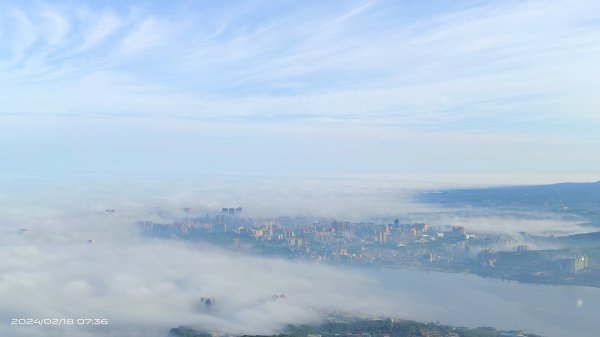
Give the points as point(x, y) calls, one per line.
point(458, 230)
point(576, 264)
point(231, 210)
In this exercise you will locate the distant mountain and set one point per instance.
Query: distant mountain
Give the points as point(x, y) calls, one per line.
point(591, 237)
point(582, 199)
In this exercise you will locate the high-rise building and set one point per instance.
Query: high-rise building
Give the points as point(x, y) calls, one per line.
point(458, 230)
point(576, 264)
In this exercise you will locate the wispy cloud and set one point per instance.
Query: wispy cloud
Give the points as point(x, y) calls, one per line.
point(24, 35)
point(56, 25)
point(436, 67)
point(510, 68)
point(146, 34)
point(102, 27)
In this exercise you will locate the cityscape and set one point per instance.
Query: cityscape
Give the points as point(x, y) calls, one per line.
point(285, 168)
point(393, 244)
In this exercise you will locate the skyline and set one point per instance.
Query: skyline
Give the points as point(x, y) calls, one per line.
point(377, 87)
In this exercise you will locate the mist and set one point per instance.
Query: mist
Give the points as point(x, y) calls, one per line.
point(501, 221)
point(146, 286)
point(63, 256)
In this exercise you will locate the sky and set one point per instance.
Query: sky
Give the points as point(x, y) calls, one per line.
point(411, 88)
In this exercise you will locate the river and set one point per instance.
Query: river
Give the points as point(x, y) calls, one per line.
point(472, 301)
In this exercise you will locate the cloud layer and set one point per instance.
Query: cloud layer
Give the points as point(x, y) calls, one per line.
point(378, 62)
point(355, 87)
point(145, 286)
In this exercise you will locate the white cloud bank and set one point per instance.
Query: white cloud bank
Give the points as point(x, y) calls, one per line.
point(145, 286)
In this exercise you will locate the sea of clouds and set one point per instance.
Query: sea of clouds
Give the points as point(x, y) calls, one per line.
point(145, 286)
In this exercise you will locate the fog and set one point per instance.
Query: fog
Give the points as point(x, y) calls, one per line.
point(502, 222)
point(145, 286)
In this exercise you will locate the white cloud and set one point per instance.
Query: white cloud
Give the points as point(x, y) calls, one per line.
point(101, 27)
point(149, 33)
point(56, 26)
point(507, 72)
point(144, 287)
point(24, 35)
point(435, 69)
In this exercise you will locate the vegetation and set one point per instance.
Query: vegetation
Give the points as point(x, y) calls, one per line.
point(372, 327)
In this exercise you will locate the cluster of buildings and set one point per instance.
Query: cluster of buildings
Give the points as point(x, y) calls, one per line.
point(231, 210)
point(394, 243)
point(575, 264)
point(322, 239)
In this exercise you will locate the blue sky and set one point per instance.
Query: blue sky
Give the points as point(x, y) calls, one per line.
point(504, 88)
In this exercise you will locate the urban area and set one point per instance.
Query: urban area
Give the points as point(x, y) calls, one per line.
point(566, 260)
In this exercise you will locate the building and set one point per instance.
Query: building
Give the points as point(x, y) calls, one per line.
point(521, 248)
point(231, 210)
point(487, 258)
point(576, 264)
point(458, 230)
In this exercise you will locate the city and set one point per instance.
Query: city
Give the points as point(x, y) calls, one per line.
point(394, 244)
point(285, 168)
